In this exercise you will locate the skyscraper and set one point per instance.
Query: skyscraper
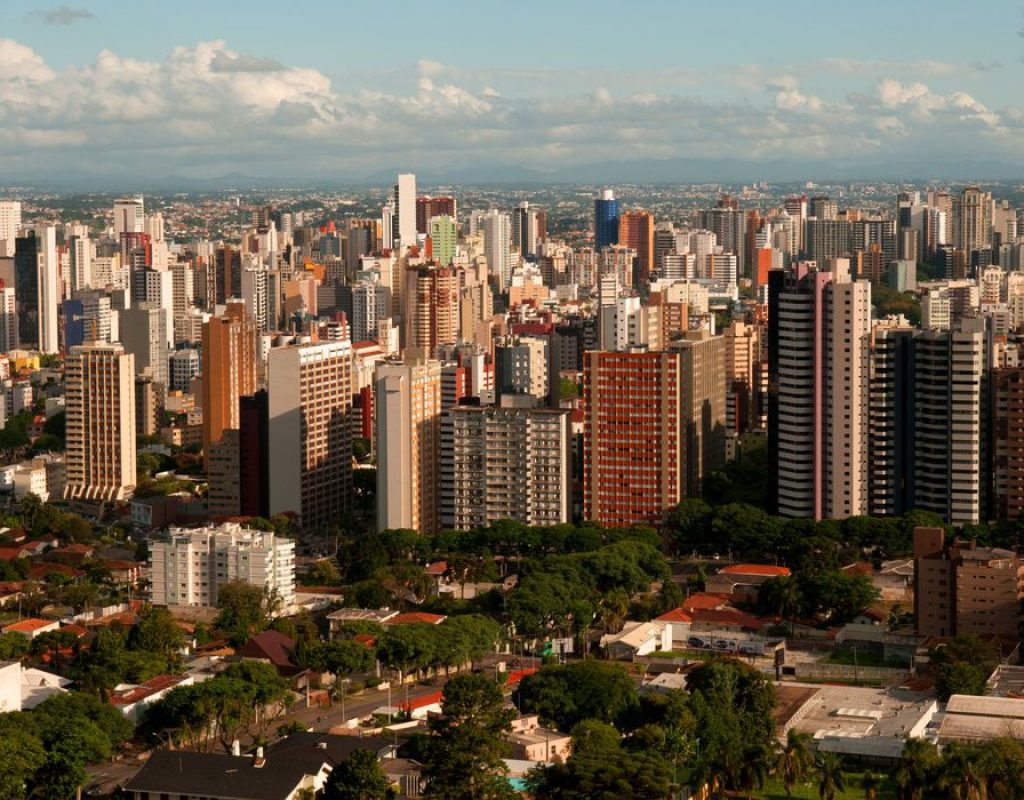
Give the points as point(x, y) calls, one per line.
point(144, 335)
point(951, 464)
point(497, 240)
point(229, 369)
point(309, 435)
point(10, 226)
point(8, 319)
point(129, 216)
point(405, 206)
point(442, 239)
point(819, 336)
point(100, 403)
point(526, 229)
point(433, 307)
point(634, 465)
point(606, 219)
point(429, 207)
point(511, 461)
point(636, 230)
point(702, 404)
point(407, 397)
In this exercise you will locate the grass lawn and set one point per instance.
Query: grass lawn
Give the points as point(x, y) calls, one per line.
point(808, 790)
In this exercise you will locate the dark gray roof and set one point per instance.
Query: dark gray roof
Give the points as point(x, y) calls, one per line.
point(221, 776)
point(216, 775)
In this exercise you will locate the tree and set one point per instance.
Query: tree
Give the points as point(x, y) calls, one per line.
point(794, 759)
point(962, 666)
point(245, 610)
point(830, 776)
point(359, 777)
point(871, 784)
point(157, 632)
point(918, 764)
point(566, 695)
point(466, 745)
point(21, 755)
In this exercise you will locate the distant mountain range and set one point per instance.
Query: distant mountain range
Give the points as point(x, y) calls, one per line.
point(650, 171)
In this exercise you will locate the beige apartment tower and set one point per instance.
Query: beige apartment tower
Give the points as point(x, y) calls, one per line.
point(100, 403)
point(408, 403)
point(310, 437)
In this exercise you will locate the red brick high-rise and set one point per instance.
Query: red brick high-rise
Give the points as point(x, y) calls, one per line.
point(633, 460)
point(427, 207)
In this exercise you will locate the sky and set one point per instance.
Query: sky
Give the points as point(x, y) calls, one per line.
point(342, 89)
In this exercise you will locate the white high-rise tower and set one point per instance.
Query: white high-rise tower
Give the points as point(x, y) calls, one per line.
point(405, 202)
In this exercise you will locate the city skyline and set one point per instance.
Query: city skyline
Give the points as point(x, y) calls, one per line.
point(89, 92)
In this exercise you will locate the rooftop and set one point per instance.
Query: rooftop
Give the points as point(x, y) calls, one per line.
point(755, 569)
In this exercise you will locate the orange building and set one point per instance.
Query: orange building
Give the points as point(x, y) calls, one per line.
point(636, 230)
point(229, 370)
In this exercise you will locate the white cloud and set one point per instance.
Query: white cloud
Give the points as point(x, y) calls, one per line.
point(207, 108)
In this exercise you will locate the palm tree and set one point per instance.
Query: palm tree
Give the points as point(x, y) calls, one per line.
point(830, 776)
point(794, 759)
point(871, 784)
point(963, 774)
point(753, 772)
point(913, 777)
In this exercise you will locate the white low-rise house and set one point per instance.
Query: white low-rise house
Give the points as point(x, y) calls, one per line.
point(132, 700)
point(23, 688)
point(37, 686)
point(10, 686)
point(638, 639)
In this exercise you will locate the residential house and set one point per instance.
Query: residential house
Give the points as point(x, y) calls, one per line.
point(132, 700)
point(531, 741)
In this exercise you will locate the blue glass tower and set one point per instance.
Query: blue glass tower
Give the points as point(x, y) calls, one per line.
point(606, 219)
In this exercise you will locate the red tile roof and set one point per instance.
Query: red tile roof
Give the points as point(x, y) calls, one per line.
point(11, 553)
point(415, 616)
point(434, 698)
point(271, 645)
point(144, 690)
point(437, 568)
point(49, 568)
point(705, 600)
point(30, 625)
point(517, 675)
point(756, 569)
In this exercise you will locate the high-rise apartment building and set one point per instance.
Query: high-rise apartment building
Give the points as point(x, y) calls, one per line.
point(129, 216)
point(144, 335)
point(1008, 442)
point(634, 464)
point(10, 226)
point(407, 398)
point(36, 279)
point(309, 437)
point(606, 219)
point(951, 396)
point(702, 404)
point(819, 349)
point(527, 229)
point(229, 369)
point(497, 228)
point(512, 461)
point(405, 207)
point(433, 307)
point(193, 565)
point(429, 207)
point(892, 418)
point(100, 407)
point(443, 237)
point(636, 230)
point(8, 319)
point(972, 220)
